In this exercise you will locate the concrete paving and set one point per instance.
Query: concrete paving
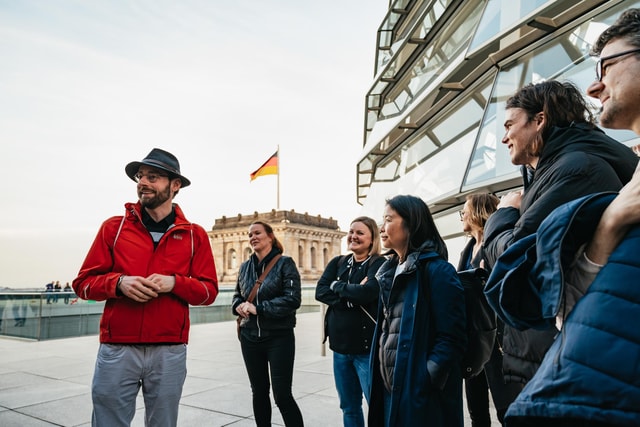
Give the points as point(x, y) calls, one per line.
point(47, 383)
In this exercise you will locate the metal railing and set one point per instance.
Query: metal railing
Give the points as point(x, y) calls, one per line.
point(39, 315)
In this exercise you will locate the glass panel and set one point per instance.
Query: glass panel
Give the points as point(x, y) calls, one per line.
point(428, 67)
point(469, 114)
point(501, 15)
point(445, 49)
point(415, 151)
point(443, 173)
point(565, 58)
point(389, 46)
point(455, 245)
point(387, 171)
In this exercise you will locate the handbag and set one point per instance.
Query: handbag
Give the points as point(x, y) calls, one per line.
point(481, 322)
point(254, 290)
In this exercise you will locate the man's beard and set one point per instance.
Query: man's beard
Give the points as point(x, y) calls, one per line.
point(607, 118)
point(158, 199)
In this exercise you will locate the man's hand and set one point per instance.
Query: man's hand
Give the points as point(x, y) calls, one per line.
point(138, 288)
point(620, 215)
point(164, 284)
point(511, 200)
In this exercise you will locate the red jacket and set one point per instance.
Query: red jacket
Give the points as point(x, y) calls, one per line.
point(184, 252)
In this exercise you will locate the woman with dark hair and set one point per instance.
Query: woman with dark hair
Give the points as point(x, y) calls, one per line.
point(266, 331)
point(421, 333)
point(350, 288)
point(550, 133)
point(477, 209)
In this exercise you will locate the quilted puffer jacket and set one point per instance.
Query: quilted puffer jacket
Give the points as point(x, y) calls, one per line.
point(592, 370)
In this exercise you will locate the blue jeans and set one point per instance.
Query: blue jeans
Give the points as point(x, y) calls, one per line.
point(351, 373)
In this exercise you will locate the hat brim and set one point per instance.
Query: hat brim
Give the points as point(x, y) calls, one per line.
point(132, 168)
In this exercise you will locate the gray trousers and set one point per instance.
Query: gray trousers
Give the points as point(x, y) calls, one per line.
point(120, 372)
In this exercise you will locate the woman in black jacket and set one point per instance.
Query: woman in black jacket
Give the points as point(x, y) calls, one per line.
point(477, 209)
point(266, 337)
point(350, 288)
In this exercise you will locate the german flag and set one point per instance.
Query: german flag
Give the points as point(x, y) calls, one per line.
point(270, 167)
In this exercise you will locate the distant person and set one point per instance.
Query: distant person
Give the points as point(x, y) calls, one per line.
point(148, 265)
point(350, 288)
point(550, 133)
point(266, 333)
point(67, 293)
point(48, 289)
point(421, 336)
point(474, 214)
point(57, 289)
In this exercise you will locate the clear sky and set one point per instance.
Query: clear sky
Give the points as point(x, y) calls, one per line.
point(89, 86)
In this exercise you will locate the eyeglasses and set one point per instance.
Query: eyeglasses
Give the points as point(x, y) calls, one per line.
point(151, 177)
point(600, 64)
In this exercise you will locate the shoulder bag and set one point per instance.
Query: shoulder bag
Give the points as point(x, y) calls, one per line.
point(254, 290)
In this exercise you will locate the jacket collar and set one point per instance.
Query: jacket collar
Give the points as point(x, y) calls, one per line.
point(134, 212)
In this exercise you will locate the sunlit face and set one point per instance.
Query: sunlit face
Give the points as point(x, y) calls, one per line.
point(618, 91)
point(519, 136)
point(393, 233)
point(157, 193)
point(359, 238)
point(259, 239)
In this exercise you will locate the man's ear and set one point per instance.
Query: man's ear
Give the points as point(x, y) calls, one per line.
point(540, 119)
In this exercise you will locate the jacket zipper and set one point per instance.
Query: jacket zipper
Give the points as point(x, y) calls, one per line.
point(258, 317)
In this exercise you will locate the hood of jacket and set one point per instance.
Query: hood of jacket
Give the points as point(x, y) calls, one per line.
point(590, 140)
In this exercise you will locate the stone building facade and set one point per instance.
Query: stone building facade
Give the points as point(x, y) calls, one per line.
point(312, 241)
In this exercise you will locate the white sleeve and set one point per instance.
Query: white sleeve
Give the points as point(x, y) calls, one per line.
point(578, 279)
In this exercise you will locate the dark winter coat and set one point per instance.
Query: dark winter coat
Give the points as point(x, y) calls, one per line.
point(418, 344)
point(575, 161)
point(353, 306)
point(592, 370)
point(278, 297)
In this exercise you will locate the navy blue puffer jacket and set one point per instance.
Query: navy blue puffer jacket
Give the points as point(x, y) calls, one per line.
point(592, 370)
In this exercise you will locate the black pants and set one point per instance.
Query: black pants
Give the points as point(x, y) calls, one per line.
point(273, 353)
point(477, 391)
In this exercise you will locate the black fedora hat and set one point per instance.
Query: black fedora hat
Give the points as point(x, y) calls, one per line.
point(158, 159)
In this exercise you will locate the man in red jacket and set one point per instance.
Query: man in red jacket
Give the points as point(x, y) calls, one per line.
point(148, 266)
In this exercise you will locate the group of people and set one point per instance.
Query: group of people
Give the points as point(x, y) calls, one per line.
point(560, 252)
point(562, 270)
point(51, 289)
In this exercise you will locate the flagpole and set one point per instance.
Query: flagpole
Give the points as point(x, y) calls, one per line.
point(278, 191)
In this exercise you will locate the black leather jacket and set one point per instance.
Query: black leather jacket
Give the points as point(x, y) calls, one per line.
point(278, 297)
